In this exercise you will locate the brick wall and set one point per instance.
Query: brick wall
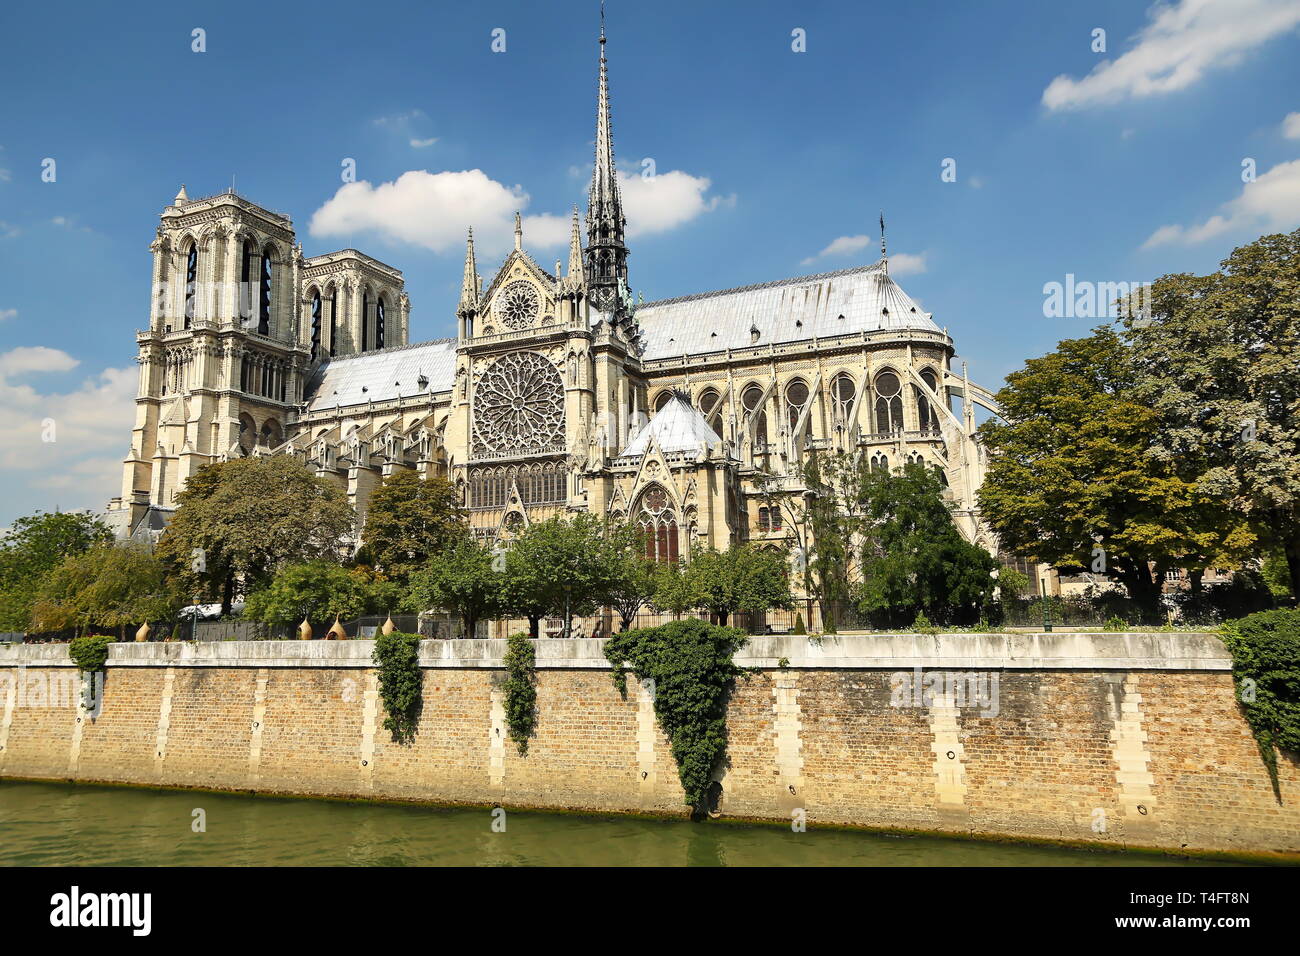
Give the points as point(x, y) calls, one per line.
point(1126, 756)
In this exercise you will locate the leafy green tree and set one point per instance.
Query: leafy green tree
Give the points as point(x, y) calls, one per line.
point(914, 560)
point(636, 578)
point(1216, 360)
point(742, 578)
point(1072, 482)
point(110, 586)
point(32, 548)
point(461, 579)
point(674, 592)
point(409, 519)
point(560, 566)
point(315, 590)
point(238, 522)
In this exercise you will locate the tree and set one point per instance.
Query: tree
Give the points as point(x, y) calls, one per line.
point(914, 560)
point(409, 519)
point(238, 522)
point(32, 548)
point(743, 578)
point(1071, 481)
point(560, 566)
point(110, 586)
point(673, 591)
point(315, 590)
point(636, 577)
point(1216, 361)
point(462, 580)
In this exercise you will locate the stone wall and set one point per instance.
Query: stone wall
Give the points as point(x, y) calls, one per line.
point(1129, 739)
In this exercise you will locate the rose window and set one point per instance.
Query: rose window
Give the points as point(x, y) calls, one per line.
point(519, 406)
point(518, 305)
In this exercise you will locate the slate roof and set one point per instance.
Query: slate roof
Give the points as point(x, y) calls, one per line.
point(861, 299)
point(678, 426)
point(384, 374)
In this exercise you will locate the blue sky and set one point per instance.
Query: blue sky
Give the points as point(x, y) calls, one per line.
point(1113, 166)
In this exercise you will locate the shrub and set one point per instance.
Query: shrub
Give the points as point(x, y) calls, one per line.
point(401, 683)
point(798, 625)
point(1115, 623)
point(922, 625)
point(90, 654)
point(690, 663)
point(521, 689)
point(1265, 650)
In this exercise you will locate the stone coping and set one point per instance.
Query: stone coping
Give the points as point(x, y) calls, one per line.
point(1134, 650)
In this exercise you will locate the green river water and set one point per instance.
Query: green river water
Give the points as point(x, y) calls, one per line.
point(75, 825)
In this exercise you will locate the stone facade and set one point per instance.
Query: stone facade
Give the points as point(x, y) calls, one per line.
point(551, 397)
point(1126, 740)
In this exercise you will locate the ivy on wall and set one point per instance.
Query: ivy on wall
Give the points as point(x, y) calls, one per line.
point(1265, 650)
point(401, 684)
point(90, 654)
point(691, 667)
point(521, 690)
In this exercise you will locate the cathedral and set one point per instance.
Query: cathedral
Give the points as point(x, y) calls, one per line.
point(560, 393)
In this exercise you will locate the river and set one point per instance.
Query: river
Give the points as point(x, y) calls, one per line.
point(55, 824)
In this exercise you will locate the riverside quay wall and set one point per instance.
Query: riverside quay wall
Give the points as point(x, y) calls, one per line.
point(1127, 739)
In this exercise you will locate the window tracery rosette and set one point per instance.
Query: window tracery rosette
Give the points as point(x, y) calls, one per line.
point(519, 407)
point(518, 305)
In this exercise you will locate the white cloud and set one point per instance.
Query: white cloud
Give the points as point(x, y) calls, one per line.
point(1291, 126)
point(433, 210)
point(7, 231)
point(400, 120)
point(34, 358)
point(667, 200)
point(1182, 43)
point(900, 263)
point(90, 425)
point(8, 314)
point(1271, 202)
point(906, 264)
point(5, 176)
point(423, 143)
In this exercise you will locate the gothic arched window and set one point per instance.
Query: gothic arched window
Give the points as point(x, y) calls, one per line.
point(315, 324)
point(658, 523)
point(711, 409)
point(661, 400)
point(752, 399)
point(365, 319)
point(264, 298)
point(191, 282)
point(889, 404)
point(796, 395)
point(334, 317)
point(879, 462)
point(246, 256)
point(844, 391)
point(379, 323)
point(926, 414)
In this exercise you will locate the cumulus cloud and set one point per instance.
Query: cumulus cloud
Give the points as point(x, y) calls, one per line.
point(423, 143)
point(1182, 43)
point(433, 210)
point(1291, 126)
point(667, 200)
point(900, 263)
point(1271, 202)
point(90, 426)
point(8, 314)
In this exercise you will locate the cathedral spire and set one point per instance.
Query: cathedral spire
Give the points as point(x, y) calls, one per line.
point(469, 284)
point(575, 248)
point(606, 253)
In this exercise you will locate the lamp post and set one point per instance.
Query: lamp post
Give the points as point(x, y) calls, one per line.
point(1047, 621)
point(568, 620)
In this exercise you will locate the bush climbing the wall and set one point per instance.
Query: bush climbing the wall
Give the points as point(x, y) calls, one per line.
point(90, 654)
point(401, 684)
point(521, 689)
point(690, 664)
point(1265, 650)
